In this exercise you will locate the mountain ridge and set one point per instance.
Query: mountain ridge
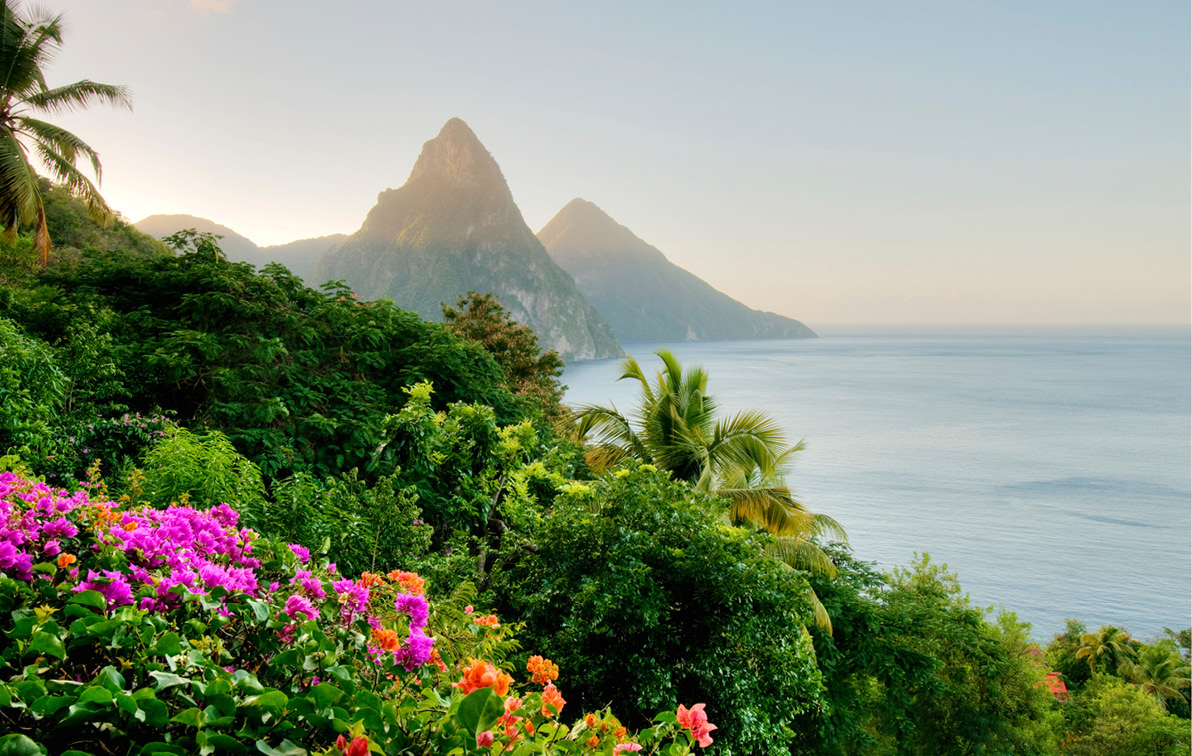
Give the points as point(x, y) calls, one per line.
point(643, 295)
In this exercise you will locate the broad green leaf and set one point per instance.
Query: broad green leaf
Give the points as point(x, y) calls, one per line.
point(167, 679)
point(325, 694)
point(109, 678)
point(18, 745)
point(93, 599)
point(47, 643)
point(225, 744)
point(169, 644)
point(191, 716)
point(480, 709)
point(285, 748)
point(49, 705)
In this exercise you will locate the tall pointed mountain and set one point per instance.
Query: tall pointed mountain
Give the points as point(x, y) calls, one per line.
point(453, 228)
point(644, 296)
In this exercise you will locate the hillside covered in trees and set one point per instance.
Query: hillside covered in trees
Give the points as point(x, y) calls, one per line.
point(150, 385)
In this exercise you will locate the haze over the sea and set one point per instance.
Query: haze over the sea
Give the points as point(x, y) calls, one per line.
point(917, 162)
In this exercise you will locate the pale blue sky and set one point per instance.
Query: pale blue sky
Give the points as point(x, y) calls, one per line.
point(838, 162)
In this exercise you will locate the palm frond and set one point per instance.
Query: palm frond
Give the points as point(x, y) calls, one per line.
point(769, 509)
point(65, 143)
point(802, 555)
point(79, 95)
point(822, 620)
point(66, 173)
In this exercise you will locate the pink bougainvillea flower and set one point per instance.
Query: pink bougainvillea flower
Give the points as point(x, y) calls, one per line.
point(484, 739)
point(625, 748)
point(696, 720)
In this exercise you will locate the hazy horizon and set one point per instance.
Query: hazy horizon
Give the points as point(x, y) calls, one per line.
point(919, 164)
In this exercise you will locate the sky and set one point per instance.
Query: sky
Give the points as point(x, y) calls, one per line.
point(891, 163)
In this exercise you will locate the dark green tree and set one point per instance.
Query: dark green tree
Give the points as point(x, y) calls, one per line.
point(644, 600)
point(529, 372)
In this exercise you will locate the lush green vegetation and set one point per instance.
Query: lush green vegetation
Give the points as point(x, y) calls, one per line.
point(241, 515)
point(183, 383)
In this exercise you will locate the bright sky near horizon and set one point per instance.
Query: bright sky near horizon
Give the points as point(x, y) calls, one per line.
point(1014, 162)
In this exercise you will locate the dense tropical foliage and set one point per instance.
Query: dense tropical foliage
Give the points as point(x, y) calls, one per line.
point(239, 515)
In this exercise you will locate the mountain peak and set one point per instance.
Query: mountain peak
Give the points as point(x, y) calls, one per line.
point(457, 157)
point(582, 228)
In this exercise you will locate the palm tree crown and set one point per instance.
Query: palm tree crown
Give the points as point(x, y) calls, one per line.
point(28, 42)
point(1160, 671)
point(1109, 645)
point(741, 458)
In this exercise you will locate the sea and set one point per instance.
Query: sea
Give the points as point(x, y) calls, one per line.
point(1051, 469)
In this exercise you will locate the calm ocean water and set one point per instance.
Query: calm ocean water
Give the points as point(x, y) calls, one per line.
point(1051, 469)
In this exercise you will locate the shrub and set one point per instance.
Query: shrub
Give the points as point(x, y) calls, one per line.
point(138, 630)
point(640, 589)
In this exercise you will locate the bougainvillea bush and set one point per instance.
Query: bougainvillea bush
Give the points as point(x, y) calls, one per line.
point(177, 630)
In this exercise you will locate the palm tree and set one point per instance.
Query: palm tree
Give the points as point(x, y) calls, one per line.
point(1159, 670)
point(28, 42)
point(741, 458)
point(1110, 645)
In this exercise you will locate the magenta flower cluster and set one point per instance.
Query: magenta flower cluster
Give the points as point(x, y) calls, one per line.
point(171, 549)
point(416, 650)
point(33, 523)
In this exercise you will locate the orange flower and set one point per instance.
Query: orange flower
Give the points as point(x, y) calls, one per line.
point(369, 579)
point(386, 640)
point(543, 669)
point(484, 675)
point(551, 697)
point(619, 733)
point(590, 720)
point(65, 560)
point(489, 621)
point(130, 526)
point(529, 727)
point(437, 660)
point(593, 741)
point(409, 581)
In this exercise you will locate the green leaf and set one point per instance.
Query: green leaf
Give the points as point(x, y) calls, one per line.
point(46, 643)
point(285, 748)
point(109, 678)
point(260, 610)
point(50, 705)
point(93, 599)
point(225, 744)
point(192, 716)
point(169, 644)
point(325, 694)
point(157, 714)
point(18, 745)
point(167, 679)
point(479, 710)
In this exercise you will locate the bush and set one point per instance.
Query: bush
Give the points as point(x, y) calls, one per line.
point(637, 586)
point(135, 630)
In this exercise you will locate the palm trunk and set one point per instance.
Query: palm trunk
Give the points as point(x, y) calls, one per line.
point(41, 238)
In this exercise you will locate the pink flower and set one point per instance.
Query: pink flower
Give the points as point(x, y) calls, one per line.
point(626, 747)
point(696, 720)
point(484, 739)
point(300, 605)
point(301, 552)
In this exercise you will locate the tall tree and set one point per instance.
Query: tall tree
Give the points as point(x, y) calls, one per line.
point(530, 372)
point(1108, 648)
point(28, 41)
point(742, 458)
point(1159, 670)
